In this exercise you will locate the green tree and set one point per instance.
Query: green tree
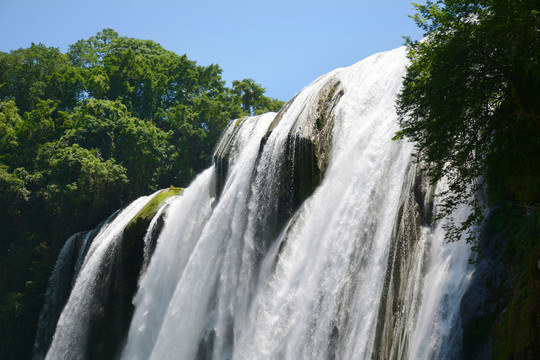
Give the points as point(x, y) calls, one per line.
point(90, 53)
point(10, 120)
point(268, 104)
point(252, 99)
point(169, 90)
point(80, 185)
point(248, 92)
point(471, 99)
point(108, 128)
point(141, 73)
point(94, 125)
point(21, 137)
point(38, 73)
point(13, 198)
point(144, 150)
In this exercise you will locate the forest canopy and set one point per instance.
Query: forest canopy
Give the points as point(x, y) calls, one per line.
point(83, 133)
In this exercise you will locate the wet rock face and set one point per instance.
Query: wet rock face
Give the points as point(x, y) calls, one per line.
point(307, 148)
point(298, 178)
point(314, 124)
point(222, 168)
point(325, 113)
point(415, 211)
point(304, 161)
point(223, 153)
point(118, 284)
point(60, 286)
point(485, 298)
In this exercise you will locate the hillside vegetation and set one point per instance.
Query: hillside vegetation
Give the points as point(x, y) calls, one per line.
point(85, 132)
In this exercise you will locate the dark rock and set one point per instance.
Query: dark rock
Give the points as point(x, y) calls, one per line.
point(304, 161)
point(414, 211)
point(486, 297)
point(117, 282)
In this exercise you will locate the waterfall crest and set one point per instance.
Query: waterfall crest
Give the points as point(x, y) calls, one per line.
point(310, 237)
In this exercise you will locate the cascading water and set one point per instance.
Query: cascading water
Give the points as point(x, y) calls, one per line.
point(61, 283)
point(309, 238)
point(89, 291)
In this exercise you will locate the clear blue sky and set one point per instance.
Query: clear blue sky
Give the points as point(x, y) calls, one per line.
point(283, 45)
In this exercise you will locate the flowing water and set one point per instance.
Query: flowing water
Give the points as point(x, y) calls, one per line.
point(251, 265)
point(86, 297)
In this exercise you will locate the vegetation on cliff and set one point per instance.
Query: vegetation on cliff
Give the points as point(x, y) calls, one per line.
point(471, 105)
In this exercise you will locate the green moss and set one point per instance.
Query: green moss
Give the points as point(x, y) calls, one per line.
point(239, 121)
point(133, 238)
point(148, 212)
point(110, 329)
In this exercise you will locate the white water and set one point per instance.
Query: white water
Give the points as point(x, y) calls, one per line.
point(436, 333)
point(224, 283)
point(70, 337)
point(148, 243)
point(60, 284)
point(215, 289)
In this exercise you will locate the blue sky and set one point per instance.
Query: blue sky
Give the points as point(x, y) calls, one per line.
point(283, 45)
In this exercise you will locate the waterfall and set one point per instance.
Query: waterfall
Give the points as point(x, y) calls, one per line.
point(61, 282)
point(89, 293)
point(310, 237)
point(60, 285)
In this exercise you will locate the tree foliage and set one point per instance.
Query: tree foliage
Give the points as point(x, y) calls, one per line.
point(252, 99)
point(38, 73)
point(471, 99)
point(85, 132)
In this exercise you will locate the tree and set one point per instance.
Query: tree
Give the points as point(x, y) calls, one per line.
point(90, 53)
point(81, 186)
point(251, 98)
point(9, 121)
point(248, 92)
point(108, 128)
point(38, 73)
point(93, 125)
point(471, 99)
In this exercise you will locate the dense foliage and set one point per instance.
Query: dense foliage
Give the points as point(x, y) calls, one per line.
point(471, 97)
point(84, 132)
point(471, 105)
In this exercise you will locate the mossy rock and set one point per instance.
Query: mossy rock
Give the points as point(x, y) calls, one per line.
point(133, 236)
point(309, 141)
point(307, 148)
point(109, 326)
point(148, 212)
